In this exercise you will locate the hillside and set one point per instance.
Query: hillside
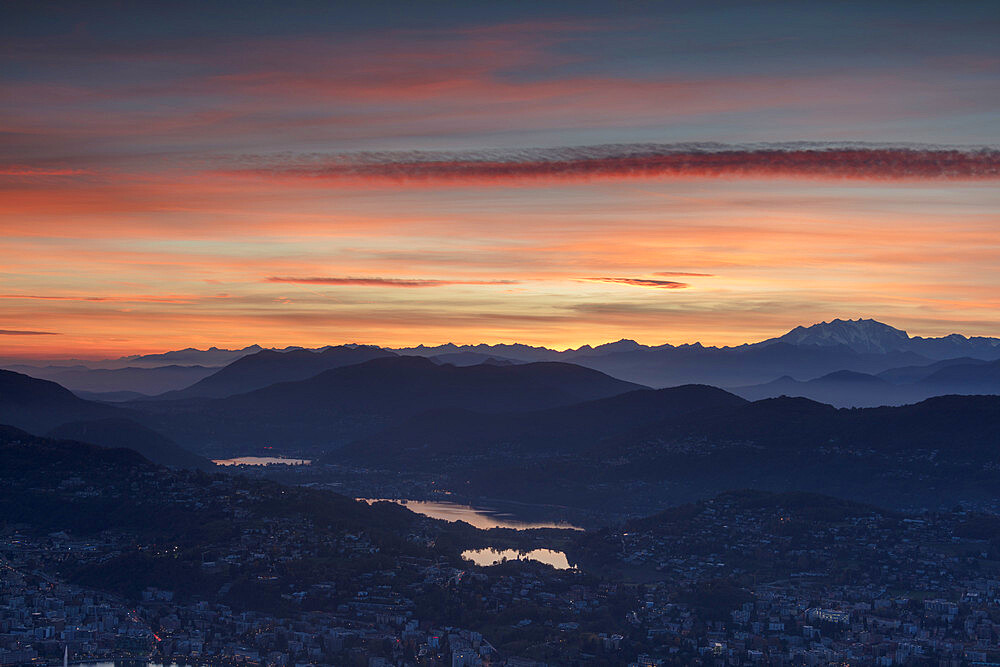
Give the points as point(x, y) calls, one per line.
point(940, 451)
point(268, 367)
point(343, 404)
point(125, 433)
point(562, 430)
point(40, 406)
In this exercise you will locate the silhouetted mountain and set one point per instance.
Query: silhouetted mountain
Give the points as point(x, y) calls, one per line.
point(472, 359)
point(872, 337)
point(573, 428)
point(27, 454)
point(864, 336)
point(739, 366)
point(40, 405)
point(343, 404)
point(516, 351)
point(148, 381)
point(111, 396)
point(268, 367)
point(840, 389)
point(910, 374)
point(970, 378)
point(956, 345)
point(940, 451)
point(847, 389)
point(623, 345)
point(130, 435)
point(862, 346)
point(213, 356)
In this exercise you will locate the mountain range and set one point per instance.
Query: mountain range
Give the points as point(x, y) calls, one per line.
point(562, 433)
point(803, 355)
point(129, 382)
point(267, 367)
point(675, 445)
point(339, 405)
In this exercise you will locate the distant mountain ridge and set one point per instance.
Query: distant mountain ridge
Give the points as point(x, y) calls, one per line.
point(140, 380)
point(338, 405)
point(896, 386)
point(267, 367)
point(864, 336)
point(804, 353)
point(869, 336)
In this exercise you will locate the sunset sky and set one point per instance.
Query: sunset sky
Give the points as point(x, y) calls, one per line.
point(209, 173)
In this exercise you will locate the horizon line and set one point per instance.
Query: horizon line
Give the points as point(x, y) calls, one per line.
point(137, 355)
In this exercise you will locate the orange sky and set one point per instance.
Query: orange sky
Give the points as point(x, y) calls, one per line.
point(160, 189)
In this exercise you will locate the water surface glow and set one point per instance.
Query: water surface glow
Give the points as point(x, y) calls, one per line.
point(261, 461)
point(487, 557)
point(478, 517)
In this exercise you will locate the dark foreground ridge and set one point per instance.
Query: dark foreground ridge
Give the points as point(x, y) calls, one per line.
point(648, 448)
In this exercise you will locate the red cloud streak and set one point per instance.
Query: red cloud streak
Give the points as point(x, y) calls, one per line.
point(643, 282)
point(656, 162)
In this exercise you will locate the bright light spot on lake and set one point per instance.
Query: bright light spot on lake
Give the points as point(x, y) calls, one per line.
point(487, 557)
point(261, 461)
point(477, 517)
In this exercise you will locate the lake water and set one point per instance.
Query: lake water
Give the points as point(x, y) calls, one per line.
point(479, 517)
point(487, 557)
point(261, 461)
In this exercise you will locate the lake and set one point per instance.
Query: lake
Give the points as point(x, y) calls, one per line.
point(487, 557)
point(483, 518)
point(261, 461)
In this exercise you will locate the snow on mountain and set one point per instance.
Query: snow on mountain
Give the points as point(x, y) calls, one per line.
point(874, 337)
point(865, 336)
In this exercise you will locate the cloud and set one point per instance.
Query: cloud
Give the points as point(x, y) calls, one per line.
point(383, 282)
point(134, 298)
point(643, 282)
point(652, 161)
point(14, 332)
point(682, 273)
point(17, 170)
point(42, 297)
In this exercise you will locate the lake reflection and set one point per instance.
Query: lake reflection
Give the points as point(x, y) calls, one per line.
point(261, 461)
point(487, 557)
point(478, 517)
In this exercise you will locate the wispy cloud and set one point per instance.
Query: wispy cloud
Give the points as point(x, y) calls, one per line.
point(134, 298)
point(18, 170)
point(383, 282)
point(831, 161)
point(15, 332)
point(669, 274)
point(642, 282)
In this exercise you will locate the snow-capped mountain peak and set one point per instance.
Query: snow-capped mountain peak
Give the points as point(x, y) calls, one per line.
point(861, 335)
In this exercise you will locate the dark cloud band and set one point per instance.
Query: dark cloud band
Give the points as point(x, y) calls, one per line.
point(835, 161)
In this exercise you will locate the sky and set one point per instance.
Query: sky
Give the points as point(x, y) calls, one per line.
point(214, 173)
